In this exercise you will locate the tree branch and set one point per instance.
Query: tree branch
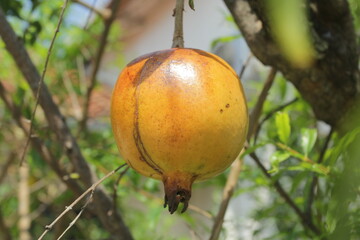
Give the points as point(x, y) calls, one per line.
point(331, 85)
point(41, 81)
point(91, 190)
point(236, 167)
point(114, 223)
point(306, 222)
point(96, 63)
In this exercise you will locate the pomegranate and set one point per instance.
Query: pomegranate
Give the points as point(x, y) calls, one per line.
point(180, 116)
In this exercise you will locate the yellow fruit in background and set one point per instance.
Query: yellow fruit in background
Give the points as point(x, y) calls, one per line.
point(179, 115)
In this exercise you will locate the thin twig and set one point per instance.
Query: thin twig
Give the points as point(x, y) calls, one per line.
point(269, 115)
point(96, 64)
point(256, 112)
point(116, 184)
point(103, 13)
point(89, 15)
point(68, 208)
point(244, 66)
point(314, 182)
point(236, 167)
point(41, 81)
point(72, 94)
point(178, 38)
point(72, 223)
point(227, 194)
point(194, 208)
point(285, 196)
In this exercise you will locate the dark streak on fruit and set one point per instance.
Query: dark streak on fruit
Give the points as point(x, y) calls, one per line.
point(145, 156)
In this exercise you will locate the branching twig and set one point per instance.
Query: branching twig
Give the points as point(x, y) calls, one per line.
point(244, 66)
point(103, 13)
point(68, 208)
point(191, 206)
point(178, 38)
point(96, 63)
point(285, 196)
point(116, 184)
point(89, 15)
point(236, 167)
point(72, 223)
point(314, 182)
point(41, 81)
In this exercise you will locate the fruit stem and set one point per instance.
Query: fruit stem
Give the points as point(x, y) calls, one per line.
point(177, 190)
point(178, 38)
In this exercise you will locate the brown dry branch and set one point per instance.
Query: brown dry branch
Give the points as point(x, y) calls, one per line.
point(236, 167)
point(113, 223)
point(115, 186)
point(178, 37)
point(96, 62)
point(41, 81)
point(90, 190)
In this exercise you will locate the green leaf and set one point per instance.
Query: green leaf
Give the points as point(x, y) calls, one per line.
point(224, 40)
point(308, 139)
point(252, 149)
point(191, 4)
point(276, 158)
point(282, 122)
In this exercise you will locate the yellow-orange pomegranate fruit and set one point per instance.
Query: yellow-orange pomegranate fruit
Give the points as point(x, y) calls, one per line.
point(179, 115)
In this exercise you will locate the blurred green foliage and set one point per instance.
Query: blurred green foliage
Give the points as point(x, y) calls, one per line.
point(290, 142)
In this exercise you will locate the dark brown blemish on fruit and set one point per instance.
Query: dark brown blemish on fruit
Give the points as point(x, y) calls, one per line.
point(221, 110)
point(227, 105)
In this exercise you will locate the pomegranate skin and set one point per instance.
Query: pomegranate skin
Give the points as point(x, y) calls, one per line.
point(179, 115)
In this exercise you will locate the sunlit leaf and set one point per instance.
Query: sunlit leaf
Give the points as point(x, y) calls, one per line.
point(282, 121)
point(308, 139)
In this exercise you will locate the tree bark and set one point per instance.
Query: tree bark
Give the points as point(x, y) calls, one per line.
point(332, 84)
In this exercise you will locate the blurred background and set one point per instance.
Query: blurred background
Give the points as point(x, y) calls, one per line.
point(299, 151)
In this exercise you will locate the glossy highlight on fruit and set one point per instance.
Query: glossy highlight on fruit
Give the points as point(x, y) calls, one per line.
point(180, 116)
